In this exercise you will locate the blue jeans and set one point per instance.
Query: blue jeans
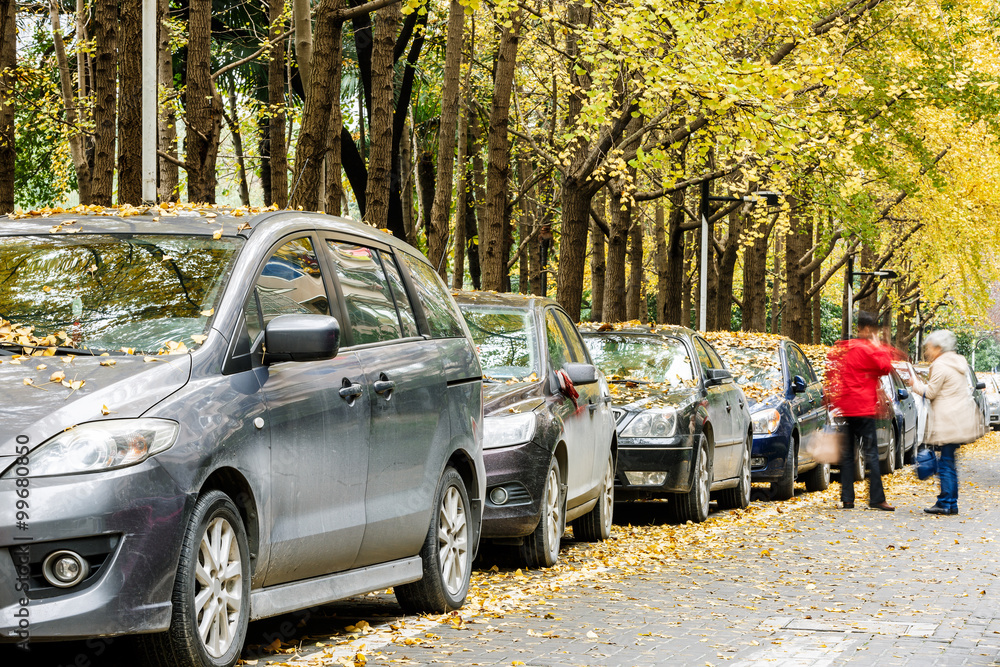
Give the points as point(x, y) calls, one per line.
point(948, 474)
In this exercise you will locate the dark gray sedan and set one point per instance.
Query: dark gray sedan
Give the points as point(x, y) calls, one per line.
point(210, 419)
point(684, 429)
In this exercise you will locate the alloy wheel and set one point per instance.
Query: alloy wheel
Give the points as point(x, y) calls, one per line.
point(609, 494)
point(218, 588)
point(453, 540)
point(553, 509)
point(703, 491)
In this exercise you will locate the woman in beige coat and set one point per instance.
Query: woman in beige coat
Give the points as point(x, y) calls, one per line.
point(952, 418)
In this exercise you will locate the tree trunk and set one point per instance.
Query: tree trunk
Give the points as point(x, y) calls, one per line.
point(478, 189)
point(662, 262)
point(105, 99)
point(301, 15)
point(334, 167)
point(76, 145)
point(635, 306)
point(687, 291)
point(313, 132)
point(264, 147)
point(727, 271)
point(377, 191)
point(526, 224)
point(203, 107)
point(130, 104)
point(795, 323)
point(867, 302)
point(615, 306)
point(8, 63)
point(776, 297)
point(493, 260)
point(167, 126)
point(463, 210)
point(407, 170)
point(755, 280)
point(598, 265)
point(441, 211)
point(426, 184)
point(277, 149)
point(671, 284)
point(233, 120)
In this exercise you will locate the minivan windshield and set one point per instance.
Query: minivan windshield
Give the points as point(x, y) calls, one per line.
point(133, 293)
point(505, 339)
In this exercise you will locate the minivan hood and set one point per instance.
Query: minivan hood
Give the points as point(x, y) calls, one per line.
point(32, 412)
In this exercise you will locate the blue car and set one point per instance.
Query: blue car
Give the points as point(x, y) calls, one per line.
point(786, 405)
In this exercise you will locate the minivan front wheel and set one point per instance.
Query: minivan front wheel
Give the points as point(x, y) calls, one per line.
point(211, 598)
point(447, 561)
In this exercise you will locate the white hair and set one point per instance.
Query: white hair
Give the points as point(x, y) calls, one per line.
point(942, 338)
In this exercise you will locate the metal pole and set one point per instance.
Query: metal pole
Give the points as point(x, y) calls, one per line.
point(703, 278)
point(850, 297)
point(149, 89)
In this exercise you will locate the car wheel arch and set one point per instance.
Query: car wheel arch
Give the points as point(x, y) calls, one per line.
point(709, 437)
point(562, 457)
point(235, 485)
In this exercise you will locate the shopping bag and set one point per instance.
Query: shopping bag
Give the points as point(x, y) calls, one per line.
point(927, 462)
point(825, 446)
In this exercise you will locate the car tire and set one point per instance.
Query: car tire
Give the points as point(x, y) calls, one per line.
point(889, 465)
point(859, 461)
point(541, 548)
point(215, 527)
point(446, 554)
point(738, 497)
point(595, 525)
point(901, 448)
point(693, 505)
point(784, 488)
point(818, 479)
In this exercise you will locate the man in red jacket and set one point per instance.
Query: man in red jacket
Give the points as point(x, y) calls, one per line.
point(853, 371)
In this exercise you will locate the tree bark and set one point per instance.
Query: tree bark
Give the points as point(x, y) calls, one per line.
point(776, 295)
point(688, 292)
point(167, 126)
point(76, 140)
point(727, 270)
point(233, 120)
point(493, 260)
point(130, 103)
point(755, 280)
point(407, 169)
point(598, 265)
point(795, 322)
point(634, 303)
point(671, 284)
point(8, 63)
point(105, 99)
point(426, 184)
point(662, 261)
point(277, 149)
point(441, 211)
point(615, 307)
point(301, 15)
point(378, 189)
point(203, 107)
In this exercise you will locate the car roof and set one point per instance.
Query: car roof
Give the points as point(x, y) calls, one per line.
point(505, 299)
point(181, 220)
point(634, 328)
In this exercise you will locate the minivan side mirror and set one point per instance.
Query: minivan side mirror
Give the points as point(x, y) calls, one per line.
point(902, 394)
point(301, 338)
point(580, 374)
point(714, 376)
point(799, 385)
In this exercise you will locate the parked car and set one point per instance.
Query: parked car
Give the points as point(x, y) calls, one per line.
point(683, 426)
point(549, 434)
point(787, 408)
point(992, 398)
point(231, 418)
point(905, 420)
point(907, 370)
point(977, 389)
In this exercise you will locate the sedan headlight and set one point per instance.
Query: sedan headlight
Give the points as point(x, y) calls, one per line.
point(660, 423)
point(101, 446)
point(507, 430)
point(766, 421)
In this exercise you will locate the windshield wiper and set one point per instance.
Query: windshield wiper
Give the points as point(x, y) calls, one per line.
point(632, 380)
point(8, 350)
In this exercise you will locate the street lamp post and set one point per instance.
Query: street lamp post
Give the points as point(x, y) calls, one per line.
point(771, 199)
point(888, 275)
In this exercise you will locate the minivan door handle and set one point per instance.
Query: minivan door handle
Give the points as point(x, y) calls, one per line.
point(384, 385)
point(351, 391)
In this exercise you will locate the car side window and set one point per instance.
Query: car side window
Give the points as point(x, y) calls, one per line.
point(291, 283)
point(366, 292)
point(576, 351)
point(798, 365)
point(403, 306)
point(555, 341)
point(443, 317)
point(717, 361)
point(703, 357)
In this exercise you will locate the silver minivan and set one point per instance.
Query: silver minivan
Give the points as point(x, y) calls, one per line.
point(209, 418)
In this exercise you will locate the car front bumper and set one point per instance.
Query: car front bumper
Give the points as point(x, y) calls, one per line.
point(138, 511)
point(671, 456)
point(767, 457)
point(520, 470)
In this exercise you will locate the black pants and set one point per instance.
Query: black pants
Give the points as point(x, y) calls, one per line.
point(860, 429)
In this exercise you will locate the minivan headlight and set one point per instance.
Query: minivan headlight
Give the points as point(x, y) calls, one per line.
point(766, 421)
point(507, 430)
point(98, 446)
point(660, 423)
